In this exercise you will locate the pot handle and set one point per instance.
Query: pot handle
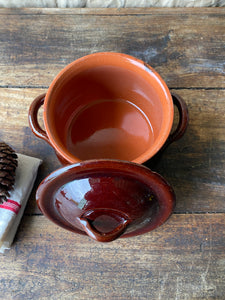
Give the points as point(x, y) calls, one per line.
point(33, 118)
point(178, 132)
point(184, 118)
point(87, 222)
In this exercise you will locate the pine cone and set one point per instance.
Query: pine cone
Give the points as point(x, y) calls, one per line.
point(8, 164)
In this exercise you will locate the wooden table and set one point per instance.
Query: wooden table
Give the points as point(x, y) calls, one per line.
point(184, 258)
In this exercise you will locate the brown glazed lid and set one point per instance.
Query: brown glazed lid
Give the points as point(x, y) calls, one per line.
point(106, 199)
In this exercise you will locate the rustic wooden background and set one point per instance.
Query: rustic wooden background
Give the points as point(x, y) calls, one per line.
point(183, 259)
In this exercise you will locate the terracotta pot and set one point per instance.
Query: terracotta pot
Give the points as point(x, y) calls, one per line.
point(106, 199)
point(108, 106)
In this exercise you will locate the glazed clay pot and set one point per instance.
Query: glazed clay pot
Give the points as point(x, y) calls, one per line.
point(108, 106)
point(106, 199)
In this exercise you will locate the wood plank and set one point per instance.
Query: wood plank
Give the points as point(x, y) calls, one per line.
point(186, 48)
point(183, 259)
point(194, 166)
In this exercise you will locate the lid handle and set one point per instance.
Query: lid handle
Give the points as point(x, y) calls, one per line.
point(104, 225)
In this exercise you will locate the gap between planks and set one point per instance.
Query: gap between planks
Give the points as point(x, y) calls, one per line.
point(46, 87)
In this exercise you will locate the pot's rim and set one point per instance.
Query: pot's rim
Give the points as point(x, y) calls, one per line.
point(126, 61)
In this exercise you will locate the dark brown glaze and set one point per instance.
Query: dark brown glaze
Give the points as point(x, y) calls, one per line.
point(106, 199)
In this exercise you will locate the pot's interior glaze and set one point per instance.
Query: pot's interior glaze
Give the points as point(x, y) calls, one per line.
point(111, 109)
point(113, 128)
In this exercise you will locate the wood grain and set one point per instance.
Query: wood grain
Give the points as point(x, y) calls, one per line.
point(195, 165)
point(183, 259)
point(185, 48)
